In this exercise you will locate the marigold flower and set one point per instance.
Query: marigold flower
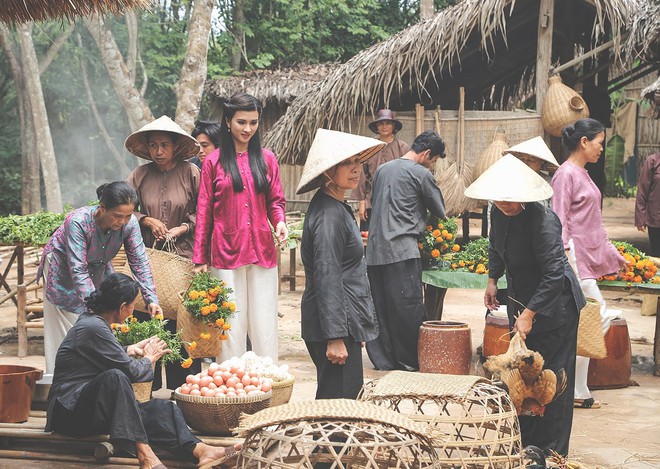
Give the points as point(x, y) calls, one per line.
point(435, 253)
point(480, 269)
point(439, 239)
point(223, 337)
point(206, 301)
point(219, 322)
point(445, 233)
point(114, 326)
point(193, 294)
point(226, 326)
point(471, 267)
point(124, 328)
point(429, 228)
point(160, 317)
point(213, 307)
point(461, 263)
point(206, 310)
point(449, 236)
point(436, 233)
point(637, 279)
point(455, 248)
point(192, 346)
point(453, 266)
point(134, 319)
point(205, 335)
point(440, 225)
point(655, 280)
point(225, 304)
point(186, 363)
point(232, 307)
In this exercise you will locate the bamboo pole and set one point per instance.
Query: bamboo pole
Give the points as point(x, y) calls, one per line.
point(544, 50)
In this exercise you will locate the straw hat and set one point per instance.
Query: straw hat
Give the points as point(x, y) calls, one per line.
point(385, 115)
point(535, 147)
point(330, 148)
point(509, 180)
point(185, 146)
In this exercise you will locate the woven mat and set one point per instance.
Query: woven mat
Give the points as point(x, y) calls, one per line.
point(329, 409)
point(405, 383)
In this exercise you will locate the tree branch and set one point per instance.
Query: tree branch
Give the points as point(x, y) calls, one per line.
point(54, 49)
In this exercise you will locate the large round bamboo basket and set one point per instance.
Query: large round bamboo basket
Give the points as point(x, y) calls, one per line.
point(562, 106)
point(282, 391)
point(491, 154)
point(191, 330)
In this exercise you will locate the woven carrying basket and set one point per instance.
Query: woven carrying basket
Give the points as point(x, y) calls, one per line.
point(172, 274)
point(562, 106)
point(191, 330)
point(218, 415)
point(491, 154)
point(591, 342)
point(282, 391)
point(142, 391)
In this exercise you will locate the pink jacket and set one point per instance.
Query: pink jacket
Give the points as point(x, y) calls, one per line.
point(577, 203)
point(232, 227)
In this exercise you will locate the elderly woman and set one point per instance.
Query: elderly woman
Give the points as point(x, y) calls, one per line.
point(337, 310)
point(544, 293)
point(79, 256)
point(240, 198)
point(577, 203)
point(167, 188)
point(91, 392)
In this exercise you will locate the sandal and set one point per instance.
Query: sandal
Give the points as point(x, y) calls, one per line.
point(590, 403)
point(230, 452)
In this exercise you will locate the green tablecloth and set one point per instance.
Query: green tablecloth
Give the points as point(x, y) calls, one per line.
point(617, 285)
point(457, 279)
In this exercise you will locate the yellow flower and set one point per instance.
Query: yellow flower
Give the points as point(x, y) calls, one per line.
point(192, 346)
point(193, 295)
point(440, 225)
point(435, 253)
point(131, 318)
point(213, 307)
point(124, 328)
point(226, 326)
point(445, 233)
point(439, 239)
point(455, 248)
point(206, 301)
point(448, 236)
point(160, 317)
point(223, 337)
point(225, 304)
point(206, 310)
point(219, 322)
point(186, 363)
point(205, 335)
point(436, 233)
point(232, 307)
point(114, 326)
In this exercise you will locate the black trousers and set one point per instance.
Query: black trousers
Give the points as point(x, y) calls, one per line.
point(364, 225)
point(337, 381)
point(558, 347)
point(176, 375)
point(107, 406)
point(397, 293)
point(654, 239)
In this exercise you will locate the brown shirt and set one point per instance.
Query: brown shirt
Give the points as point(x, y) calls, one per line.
point(170, 197)
point(647, 206)
point(396, 149)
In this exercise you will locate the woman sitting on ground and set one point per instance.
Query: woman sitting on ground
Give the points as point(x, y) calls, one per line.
point(92, 394)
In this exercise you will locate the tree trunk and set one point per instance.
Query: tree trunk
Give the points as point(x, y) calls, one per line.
point(426, 9)
point(40, 118)
point(238, 32)
point(54, 49)
point(136, 107)
point(132, 30)
point(190, 86)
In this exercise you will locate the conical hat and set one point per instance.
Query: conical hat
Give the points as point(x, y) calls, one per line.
point(509, 180)
point(185, 146)
point(534, 147)
point(330, 148)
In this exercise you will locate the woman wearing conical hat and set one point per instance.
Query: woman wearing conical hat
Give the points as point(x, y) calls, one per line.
point(337, 310)
point(544, 295)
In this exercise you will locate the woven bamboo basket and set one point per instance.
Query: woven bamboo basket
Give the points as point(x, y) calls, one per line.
point(191, 330)
point(171, 272)
point(491, 154)
point(338, 433)
point(142, 391)
point(562, 106)
point(218, 415)
point(282, 391)
point(472, 423)
point(591, 342)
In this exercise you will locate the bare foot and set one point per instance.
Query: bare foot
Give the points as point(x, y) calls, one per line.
point(208, 454)
point(146, 456)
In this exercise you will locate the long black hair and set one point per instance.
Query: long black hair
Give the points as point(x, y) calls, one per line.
point(573, 133)
point(242, 102)
point(113, 194)
point(115, 289)
point(212, 129)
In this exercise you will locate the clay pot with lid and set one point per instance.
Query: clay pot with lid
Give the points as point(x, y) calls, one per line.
point(444, 347)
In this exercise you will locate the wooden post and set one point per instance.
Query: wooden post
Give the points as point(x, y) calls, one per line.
point(20, 321)
point(419, 119)
point(544, 50)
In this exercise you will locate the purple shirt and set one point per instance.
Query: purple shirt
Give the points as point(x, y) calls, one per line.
point(82, 256)
point(576, 201)
point(232, 227)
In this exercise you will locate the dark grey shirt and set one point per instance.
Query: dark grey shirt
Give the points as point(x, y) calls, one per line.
point(402, 193)
point(337, 300)
point(88, 349)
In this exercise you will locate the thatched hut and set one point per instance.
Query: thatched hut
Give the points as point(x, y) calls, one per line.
point(276, 89)
point(22, 11)
point(500, 51)
point(652, 93)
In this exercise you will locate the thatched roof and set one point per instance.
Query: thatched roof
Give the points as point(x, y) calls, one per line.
point(644, 39)
point(486, 46)
point(270, 86)
point(21, 11)
point(652, 93)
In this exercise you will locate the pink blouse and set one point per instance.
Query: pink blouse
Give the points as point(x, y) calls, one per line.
point(232, 227)
point(576, 201)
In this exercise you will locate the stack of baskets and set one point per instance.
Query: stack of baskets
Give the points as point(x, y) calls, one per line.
point(219, 415)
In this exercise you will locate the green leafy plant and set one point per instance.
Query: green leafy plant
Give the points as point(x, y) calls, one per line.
point(35, 228)
point(472, 258)
point(131, 331)
point(207, 299)
point(437, 240)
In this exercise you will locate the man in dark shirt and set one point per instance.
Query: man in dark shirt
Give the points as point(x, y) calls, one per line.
point(403, 190)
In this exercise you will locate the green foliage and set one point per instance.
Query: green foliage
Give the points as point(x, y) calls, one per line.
point(471, 255)
point(208, 300)
point(614, 154)
point(132, 331)
point(29, 229)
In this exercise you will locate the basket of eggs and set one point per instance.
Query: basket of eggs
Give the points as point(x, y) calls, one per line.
point(213, 400)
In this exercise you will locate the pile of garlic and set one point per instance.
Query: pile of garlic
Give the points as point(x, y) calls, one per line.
point(260, 366)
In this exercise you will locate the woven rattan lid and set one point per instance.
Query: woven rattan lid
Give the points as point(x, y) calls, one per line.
point(329, 409)
point(330, 148)
point(509, 180)
point(405, 383)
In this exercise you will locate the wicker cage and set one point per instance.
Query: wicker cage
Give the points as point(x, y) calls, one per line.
point(218, 415)
point(472, 423)
point(142, 391)
point(337, 433)
point(282, 391)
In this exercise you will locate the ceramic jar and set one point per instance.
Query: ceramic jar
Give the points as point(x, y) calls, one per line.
point(444, 347)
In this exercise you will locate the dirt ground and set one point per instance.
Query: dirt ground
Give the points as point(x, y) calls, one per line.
point(624, 433)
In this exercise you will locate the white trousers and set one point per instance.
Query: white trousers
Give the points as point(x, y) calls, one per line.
point(590, 289)
point(255, 295)
point(57, 323)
